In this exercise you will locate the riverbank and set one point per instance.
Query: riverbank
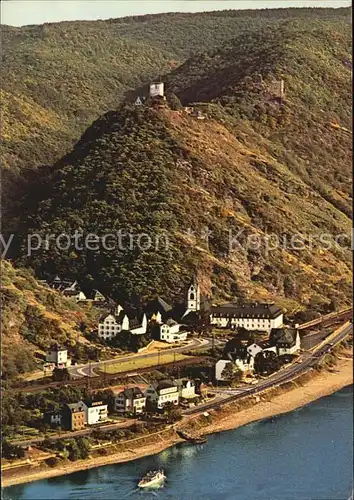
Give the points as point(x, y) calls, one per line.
point(274, 402)
point(307, 389)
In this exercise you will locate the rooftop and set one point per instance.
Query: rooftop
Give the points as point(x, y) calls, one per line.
point(250, 310)
point(165, 384)
point(283, 336)
point(133, 392)
point(75, 407)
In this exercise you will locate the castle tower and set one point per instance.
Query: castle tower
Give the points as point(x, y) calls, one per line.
point(156, 89)
point(193, 296)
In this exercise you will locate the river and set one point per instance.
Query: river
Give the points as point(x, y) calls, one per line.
point(303, 455)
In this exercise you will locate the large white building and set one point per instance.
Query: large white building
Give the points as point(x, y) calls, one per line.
point(163, 392)
point(254, 316)
point(95, 412)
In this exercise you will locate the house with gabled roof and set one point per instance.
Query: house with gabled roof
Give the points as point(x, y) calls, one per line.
point(77, 295)
point(163, 392)
point(186, 388)
point(241, 352)
point(68, 288)
point(196, 303)
point(110, 324)
point(58, 356)
point(138, 325)
point(286, 340)
point(131, 400)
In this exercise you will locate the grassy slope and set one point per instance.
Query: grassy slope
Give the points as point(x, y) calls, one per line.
point(32, 317)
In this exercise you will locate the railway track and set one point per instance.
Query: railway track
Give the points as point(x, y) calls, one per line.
point(328, 319)
point(292, 373)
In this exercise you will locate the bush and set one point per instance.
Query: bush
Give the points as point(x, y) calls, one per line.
point(52, 462)
point(10, 451)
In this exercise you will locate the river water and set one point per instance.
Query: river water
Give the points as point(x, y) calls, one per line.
point(304, 455)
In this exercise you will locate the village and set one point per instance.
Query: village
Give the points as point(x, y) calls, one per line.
point(257, 344)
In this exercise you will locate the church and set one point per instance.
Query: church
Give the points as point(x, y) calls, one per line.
point(197, 304)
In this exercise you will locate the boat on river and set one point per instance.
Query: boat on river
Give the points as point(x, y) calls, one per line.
point(153, 479)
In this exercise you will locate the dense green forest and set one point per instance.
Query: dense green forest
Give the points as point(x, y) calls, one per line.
point(256, 165)
point(59, 77)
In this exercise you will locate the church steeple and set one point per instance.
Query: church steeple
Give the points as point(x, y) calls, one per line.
point(193, 296)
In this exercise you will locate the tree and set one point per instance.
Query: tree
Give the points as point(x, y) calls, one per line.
point(173, 101)
point(12, 451)
point(172, 412)
point(60, 375)
point(232, 373)
point(84, 446)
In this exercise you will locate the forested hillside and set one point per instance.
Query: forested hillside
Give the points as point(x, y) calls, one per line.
point(59, 77)
point(310, 132)
point(256, 165)
point(32, 317)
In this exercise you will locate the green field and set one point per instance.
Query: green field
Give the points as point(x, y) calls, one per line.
point(135, 364)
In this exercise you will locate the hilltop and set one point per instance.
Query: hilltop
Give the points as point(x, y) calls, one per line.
point(255, 166)
point(59, 77)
